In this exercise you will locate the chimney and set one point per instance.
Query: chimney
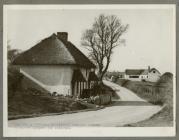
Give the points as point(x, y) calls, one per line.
point(62, 36)
point(148, 68)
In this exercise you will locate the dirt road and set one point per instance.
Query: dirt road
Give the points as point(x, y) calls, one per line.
point(129, 109)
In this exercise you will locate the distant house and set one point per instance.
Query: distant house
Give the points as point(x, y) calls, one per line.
point(57, 66)
point(151, 75)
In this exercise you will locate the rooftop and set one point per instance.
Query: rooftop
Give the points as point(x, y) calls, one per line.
point(54, 50)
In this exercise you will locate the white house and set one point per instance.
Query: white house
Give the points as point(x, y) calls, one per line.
point(151, 75)
point(57, 65)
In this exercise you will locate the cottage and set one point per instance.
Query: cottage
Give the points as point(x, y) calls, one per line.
point(151, 75)
point(57, 66)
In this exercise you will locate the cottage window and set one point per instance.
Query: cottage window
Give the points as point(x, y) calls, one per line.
point(133, 76)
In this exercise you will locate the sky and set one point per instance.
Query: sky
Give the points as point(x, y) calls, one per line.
point(149, 39)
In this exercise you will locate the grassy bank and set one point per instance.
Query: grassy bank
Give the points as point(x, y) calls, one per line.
point(35, 101)
point(26, 103)
point(164, 118)
point(28, 99)
point(159, 93)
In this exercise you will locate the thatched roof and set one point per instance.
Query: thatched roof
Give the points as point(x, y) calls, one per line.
point(145, 72)
point(53, 51)
point(134, 71)
point(139, 71)
point(78, 56)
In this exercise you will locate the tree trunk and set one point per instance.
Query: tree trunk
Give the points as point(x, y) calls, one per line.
point(102, 72)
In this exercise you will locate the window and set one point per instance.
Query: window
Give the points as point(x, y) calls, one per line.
point(133, 76)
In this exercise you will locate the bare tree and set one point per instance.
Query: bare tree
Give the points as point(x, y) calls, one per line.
point(101, 39)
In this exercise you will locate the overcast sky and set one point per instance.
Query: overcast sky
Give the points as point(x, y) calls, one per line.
point(149, 39)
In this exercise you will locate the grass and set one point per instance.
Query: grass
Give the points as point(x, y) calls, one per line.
point(25, 103)
point(150, 91)
point(164, 118)
point(160, 93)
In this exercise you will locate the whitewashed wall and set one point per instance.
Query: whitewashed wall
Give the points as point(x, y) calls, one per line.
point(143, 77)
point(52, 78)
point(132, 79)
point(154, 77)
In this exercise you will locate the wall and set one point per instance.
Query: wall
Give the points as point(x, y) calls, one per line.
point(54, 78)
point(132, 79)
point(144, 77)
point(84, 85)
point(154, 77)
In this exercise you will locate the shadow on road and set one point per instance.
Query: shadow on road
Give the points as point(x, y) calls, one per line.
point(130, 103)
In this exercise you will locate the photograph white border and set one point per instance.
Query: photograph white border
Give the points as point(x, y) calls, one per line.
point(86, 131)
